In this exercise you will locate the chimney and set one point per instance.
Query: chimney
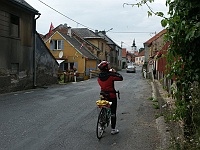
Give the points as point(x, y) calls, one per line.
point(103, 32)
point(96, 31)
point(65, 25)
point(69, 31)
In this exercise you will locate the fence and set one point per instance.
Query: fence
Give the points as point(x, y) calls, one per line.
point(94, 73)
point(70, 77)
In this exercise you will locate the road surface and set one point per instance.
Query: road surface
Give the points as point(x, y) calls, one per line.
point(63, 117)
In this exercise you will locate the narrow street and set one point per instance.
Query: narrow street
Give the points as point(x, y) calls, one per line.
point(63, 117)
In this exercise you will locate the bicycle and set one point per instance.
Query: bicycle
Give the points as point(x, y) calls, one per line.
point(104, 116)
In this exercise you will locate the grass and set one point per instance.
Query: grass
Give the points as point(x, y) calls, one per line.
point(150, 98)
point(156, 106)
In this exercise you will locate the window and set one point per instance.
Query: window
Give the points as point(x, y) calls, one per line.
point(102, 46)
point(71, 66)
point(57, 45)
point(66, 66)
point(5, 23)
point(14, 30)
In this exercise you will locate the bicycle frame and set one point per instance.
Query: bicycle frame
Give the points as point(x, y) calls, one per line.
point(104, 114)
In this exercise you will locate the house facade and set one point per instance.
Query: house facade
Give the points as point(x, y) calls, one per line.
point(114, 51)
point(17, 36)
point(25, 61)
point(130, 58)
point(140, 58)
point(161, 61)
point(157, 61)
point(124, 58)
point(69, 52)
point(95, 43)
point(152, 46)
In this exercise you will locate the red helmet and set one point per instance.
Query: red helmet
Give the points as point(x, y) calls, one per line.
point(103, 66)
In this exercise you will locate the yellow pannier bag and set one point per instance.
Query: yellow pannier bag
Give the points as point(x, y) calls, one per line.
point(102, 103)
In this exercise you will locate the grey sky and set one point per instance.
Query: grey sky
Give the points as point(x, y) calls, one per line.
point(102, 15)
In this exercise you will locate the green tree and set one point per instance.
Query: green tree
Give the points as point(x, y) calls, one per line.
point(141, 49)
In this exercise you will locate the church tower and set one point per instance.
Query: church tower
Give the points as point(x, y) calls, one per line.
point(133, 46)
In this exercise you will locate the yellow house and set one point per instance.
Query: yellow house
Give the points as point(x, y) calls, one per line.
point(101, 44)
point(70, 53)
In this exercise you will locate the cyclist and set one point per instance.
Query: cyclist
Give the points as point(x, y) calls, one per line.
point(106, 80)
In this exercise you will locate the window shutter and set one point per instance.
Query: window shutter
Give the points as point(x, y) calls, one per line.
point(76, 65)
point(52, 43)
point(62, 44)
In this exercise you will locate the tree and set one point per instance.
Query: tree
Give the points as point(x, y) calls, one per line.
point(141, 49)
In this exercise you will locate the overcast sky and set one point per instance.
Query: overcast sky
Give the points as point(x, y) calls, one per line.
point(102, 15)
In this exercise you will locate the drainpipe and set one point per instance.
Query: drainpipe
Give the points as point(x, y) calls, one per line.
point(34, 52)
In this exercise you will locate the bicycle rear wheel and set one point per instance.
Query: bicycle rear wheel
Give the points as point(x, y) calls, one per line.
point(101, 123)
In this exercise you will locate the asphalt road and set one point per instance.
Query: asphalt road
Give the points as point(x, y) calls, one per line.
point(63, 117)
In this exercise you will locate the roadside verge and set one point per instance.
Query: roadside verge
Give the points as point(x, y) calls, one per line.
point(160, 121)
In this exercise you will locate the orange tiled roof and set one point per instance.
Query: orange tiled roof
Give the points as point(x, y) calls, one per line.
point(155, 37)
point(142, 53)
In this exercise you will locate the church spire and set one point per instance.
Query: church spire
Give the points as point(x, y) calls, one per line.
point(133, 43)
point(133, 46)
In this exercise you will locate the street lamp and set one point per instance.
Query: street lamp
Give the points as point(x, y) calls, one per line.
point(121, 43)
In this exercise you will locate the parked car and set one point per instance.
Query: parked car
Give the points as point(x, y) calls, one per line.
point(131, 69)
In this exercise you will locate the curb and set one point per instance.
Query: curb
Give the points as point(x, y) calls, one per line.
point(164, 133)
point(161, 126)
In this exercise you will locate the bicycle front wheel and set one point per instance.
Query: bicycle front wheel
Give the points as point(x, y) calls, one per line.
point(101, 123)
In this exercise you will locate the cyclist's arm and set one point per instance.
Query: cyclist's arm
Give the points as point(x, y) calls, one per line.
point(117, 77)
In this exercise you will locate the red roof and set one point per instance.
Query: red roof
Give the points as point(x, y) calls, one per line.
point(142, 53)
point(155, 37)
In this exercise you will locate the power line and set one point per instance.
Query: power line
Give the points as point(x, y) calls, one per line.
point(134, 32)
point(65, 15)
point(89, 27)
point(83, 24)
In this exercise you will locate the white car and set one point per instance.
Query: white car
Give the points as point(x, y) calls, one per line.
point(131, 69)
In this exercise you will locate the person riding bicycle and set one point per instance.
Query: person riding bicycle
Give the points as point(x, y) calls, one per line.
point(106, 80)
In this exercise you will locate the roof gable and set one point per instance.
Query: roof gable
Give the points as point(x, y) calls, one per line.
point(85, 40)
point(85, 33)
point(142, 53)
point(25, 5)
point(108, 39)
point(39, 37)
point(149, 42)
point(77, 45)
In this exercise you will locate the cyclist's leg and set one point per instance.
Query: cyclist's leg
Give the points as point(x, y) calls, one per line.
point(113, 112)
